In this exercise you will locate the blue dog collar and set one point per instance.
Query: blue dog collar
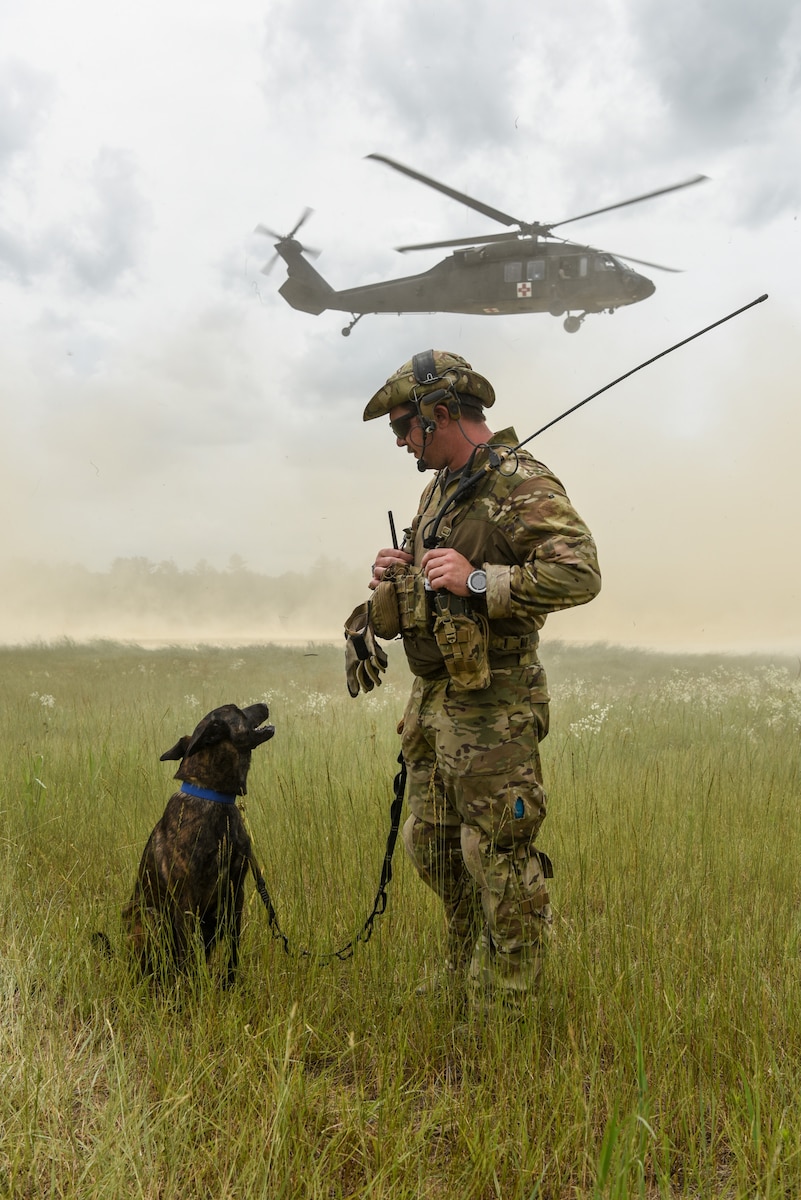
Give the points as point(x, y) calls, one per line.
point(191, 789)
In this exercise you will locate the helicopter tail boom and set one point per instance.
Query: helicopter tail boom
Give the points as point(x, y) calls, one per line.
point(304, 288)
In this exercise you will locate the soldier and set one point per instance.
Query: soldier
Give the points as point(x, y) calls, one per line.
point(494, 547)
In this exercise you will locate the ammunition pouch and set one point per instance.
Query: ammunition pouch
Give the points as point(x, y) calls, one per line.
point(463, 640)
point(399, 602)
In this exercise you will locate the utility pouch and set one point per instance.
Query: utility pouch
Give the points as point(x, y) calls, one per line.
point(384, 610)
point(463, 640)
point(410, 592)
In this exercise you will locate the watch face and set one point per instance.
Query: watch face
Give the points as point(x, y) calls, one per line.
point(477, 582)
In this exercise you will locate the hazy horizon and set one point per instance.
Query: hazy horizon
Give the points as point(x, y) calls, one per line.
point(152, 605)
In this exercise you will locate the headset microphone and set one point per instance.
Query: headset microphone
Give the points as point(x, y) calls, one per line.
point(427, 427)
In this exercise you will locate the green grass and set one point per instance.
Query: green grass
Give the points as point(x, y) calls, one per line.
point(660, 1060)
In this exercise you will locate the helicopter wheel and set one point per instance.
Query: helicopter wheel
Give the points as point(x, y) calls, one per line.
point(572, 324)
point(354, 320)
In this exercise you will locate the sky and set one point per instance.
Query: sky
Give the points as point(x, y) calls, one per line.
point(161, 399)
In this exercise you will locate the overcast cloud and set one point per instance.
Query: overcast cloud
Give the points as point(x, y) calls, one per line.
point(162, 400)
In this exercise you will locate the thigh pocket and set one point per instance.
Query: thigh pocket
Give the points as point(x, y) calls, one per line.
point(509, 812)
point(489, 732)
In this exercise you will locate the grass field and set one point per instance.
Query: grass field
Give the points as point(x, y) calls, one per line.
point(662, 1058)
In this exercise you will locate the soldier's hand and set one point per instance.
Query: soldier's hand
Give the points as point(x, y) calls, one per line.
point(365, 660)
point(384, 559)
point(448, 569)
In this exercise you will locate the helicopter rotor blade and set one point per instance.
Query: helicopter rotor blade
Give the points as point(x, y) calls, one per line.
point(674, 187)
point(307, 212)
point(309, 251)
point(282, 238)
point(485, 240)
point(643, 262)
point(486, 210)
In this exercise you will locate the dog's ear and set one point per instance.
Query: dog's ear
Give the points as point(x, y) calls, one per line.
point(177, 752)
point(212, 734)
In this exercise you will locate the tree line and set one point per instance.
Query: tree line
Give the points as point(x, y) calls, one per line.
point(137, 598)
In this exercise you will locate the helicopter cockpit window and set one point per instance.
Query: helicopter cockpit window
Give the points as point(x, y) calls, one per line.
point(574, 267)
point(512, 272)
point(535, 269)
point(604, 262)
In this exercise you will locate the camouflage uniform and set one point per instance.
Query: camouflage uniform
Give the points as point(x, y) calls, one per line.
point(474, 779)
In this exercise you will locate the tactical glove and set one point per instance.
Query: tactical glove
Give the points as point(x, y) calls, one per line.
point(364, 659)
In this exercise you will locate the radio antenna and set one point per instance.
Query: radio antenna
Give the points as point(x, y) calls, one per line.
point(647, 363)
point(469, 482)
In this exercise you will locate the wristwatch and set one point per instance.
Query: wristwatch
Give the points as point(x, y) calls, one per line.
point(477, 583)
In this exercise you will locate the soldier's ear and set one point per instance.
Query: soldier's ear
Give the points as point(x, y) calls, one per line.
point(177, 752)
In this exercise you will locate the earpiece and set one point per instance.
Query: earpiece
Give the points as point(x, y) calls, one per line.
point(425, 372)
point(446, 396)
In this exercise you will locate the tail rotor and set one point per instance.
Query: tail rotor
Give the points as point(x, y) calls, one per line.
point(285, 239)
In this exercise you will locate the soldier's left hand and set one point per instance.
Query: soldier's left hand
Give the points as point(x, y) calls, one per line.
point(447, 569)
point(387, 558)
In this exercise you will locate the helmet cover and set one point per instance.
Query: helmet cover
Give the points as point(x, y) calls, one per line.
point(452, 372)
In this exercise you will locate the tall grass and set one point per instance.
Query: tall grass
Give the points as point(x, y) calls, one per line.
point(661, 1058)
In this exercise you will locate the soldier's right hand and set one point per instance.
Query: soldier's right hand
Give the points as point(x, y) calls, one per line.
point(384, 559)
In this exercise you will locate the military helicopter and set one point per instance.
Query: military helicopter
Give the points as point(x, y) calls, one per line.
point(527, 270)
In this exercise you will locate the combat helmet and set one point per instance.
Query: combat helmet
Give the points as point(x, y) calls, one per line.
point(431, 378)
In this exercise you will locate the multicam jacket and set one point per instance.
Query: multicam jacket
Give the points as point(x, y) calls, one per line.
point(519, 526)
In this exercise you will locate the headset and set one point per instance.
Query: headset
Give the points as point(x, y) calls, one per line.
point(425, 372)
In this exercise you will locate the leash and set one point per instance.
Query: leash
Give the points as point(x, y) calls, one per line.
point(379, 904)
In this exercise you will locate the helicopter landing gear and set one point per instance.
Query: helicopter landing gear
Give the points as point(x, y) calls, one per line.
point(573, 324)
point(354, 320)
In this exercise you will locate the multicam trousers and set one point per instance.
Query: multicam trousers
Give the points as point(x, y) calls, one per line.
point(475, 793)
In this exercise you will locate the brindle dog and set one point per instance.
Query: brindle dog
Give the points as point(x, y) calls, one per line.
point(191, 878)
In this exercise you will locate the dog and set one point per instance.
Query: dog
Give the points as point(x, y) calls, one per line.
point(191, 878)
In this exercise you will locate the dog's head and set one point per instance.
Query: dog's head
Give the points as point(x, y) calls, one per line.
point(217, 755)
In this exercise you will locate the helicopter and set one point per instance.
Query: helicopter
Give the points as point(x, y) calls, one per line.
point(525, 270)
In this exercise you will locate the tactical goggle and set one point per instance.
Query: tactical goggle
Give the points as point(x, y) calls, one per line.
point(401, 425)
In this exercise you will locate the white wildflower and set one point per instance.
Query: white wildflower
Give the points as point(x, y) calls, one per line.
point(592, 720)
point(316, 703)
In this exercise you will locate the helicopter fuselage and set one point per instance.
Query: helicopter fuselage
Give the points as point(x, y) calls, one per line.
point(518, 275)
point(530, 271)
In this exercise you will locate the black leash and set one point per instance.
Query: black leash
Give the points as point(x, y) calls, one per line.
point(379, 904)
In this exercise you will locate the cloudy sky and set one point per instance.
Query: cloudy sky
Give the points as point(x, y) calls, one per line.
point(161, 399)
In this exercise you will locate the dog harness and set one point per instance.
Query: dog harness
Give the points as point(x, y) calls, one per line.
point(191, 789)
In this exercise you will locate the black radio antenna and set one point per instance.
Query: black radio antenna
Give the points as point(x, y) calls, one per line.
point(634, 370)
point(469, 482)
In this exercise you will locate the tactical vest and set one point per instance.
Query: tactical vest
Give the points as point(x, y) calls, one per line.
point(472, 529)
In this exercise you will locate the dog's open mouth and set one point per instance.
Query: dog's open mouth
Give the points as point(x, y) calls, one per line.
point(256, 716)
